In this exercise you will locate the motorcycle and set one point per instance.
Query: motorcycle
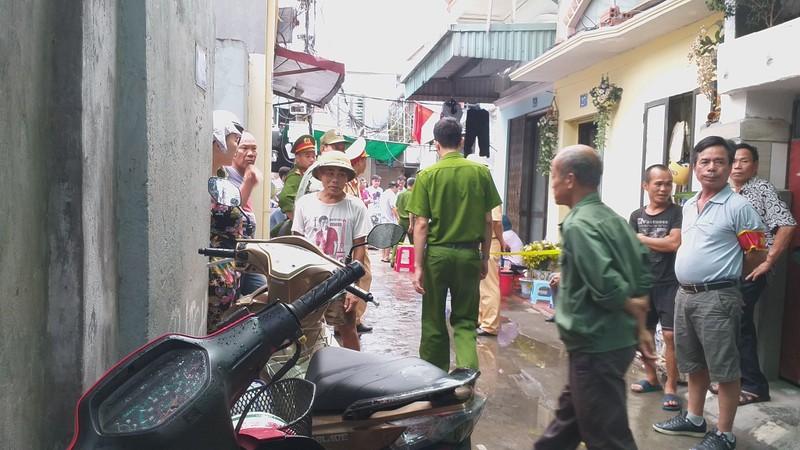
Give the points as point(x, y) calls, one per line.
point(177, 391)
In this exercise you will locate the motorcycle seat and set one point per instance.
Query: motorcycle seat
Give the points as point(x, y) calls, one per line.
point(344, 376)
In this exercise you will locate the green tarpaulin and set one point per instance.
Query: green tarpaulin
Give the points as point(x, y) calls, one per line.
point(384, 151)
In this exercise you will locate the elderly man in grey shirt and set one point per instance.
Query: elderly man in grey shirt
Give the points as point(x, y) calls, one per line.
point(722, 238)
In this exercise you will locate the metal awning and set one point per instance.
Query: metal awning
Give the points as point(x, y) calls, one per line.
point(470, 63)
point(306, 78)
point(590, 47)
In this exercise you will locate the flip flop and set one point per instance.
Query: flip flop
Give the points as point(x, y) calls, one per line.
point(746, 398)
point(646, 387)
point(671, 398)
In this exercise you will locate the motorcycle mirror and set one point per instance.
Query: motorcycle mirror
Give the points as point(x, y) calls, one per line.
point(385, 235)
point(224, 192)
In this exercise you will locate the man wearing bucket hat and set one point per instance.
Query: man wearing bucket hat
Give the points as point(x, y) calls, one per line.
point(332, 140)
point(346, 218)
point(305, 153)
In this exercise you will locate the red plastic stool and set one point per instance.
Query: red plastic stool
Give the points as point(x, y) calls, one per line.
point(408, 252)
point(506, 282)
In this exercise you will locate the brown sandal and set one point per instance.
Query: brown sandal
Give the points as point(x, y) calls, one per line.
point(746, 398)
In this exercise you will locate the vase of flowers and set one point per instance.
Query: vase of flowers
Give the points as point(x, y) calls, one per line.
point(605, 98)
point(541, 258)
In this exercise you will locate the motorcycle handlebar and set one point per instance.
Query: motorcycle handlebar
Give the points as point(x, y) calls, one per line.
point(220, 252)
point(362, 294)
point(325, 291)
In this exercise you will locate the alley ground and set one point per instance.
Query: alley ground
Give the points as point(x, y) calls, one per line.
point(524, 368)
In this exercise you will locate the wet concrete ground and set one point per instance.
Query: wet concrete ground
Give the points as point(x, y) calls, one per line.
point(524, 368)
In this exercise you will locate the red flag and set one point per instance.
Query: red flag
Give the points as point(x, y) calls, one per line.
point(423, 125)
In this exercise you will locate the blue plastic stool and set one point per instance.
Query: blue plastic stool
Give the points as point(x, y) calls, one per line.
point(541, 291)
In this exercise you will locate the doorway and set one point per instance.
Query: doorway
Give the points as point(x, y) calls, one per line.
point(526, 188)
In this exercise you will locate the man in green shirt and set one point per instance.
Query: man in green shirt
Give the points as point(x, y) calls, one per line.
point(402, 211)
point(601, 309)
point(452, 202)
point(305, 153)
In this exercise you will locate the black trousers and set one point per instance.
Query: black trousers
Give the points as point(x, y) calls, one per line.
point(753, 380)
point(592, 405)
point(477, 126)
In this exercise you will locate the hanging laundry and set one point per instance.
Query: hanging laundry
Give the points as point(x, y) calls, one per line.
point(452, 108)
point(477, 126)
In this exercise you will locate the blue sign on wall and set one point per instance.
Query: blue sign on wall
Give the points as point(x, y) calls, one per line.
point(584, 100)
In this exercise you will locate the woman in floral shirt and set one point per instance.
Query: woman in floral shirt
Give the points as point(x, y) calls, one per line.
point(226, 222)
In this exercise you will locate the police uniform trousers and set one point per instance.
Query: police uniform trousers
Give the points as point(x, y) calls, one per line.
point(456, 270)
point(489, 314)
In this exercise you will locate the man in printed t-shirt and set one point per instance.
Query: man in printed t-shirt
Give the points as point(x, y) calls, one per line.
point(658, 227)
point(335, 222)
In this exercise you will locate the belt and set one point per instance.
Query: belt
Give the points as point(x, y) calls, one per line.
point(460, 245)
point(703, 287)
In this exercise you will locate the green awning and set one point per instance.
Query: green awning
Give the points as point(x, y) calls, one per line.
point(469, 63)
point(384, 151)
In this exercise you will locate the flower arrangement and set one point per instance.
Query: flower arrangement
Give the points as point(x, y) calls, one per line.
point(548, 139)
point(704, 53)
point(605, 98)
point(540, 261)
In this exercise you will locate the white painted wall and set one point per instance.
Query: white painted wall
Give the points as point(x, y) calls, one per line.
point(766, 57)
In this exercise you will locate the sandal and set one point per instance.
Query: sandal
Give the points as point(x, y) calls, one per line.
point(646, 387)
point(714, 389)
point(746, 398)
point(671, 398)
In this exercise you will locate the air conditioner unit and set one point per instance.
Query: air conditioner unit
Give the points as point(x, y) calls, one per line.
point(298, 109)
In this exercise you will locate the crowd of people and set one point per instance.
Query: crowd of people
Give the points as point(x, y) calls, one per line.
point(697, 270)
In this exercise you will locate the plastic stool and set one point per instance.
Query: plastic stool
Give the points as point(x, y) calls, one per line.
point(408, 252)
point(541, 291)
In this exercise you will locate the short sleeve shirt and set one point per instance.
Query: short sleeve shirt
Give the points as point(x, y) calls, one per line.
point(332, 227)
point(455, 194)
point(402, 202)
point(710, 248)
point(659, 226)
point(763, 197)
point(388, 201)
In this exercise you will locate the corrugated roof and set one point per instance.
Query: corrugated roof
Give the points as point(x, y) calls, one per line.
point(464, 62)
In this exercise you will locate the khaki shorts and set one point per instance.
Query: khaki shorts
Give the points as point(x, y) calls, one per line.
point(707, 332)
point(336, 316)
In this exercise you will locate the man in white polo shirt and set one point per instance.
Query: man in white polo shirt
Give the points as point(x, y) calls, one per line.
point(722, 238)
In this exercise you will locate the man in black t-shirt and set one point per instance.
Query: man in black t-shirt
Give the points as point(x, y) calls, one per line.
point(658, 226)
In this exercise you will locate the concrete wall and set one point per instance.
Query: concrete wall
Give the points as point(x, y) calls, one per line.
point(231, 73)
point(26, 44)
point(244, 20)
point(104, 160)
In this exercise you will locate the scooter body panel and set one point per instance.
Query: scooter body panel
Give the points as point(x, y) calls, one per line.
point(384, 428)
